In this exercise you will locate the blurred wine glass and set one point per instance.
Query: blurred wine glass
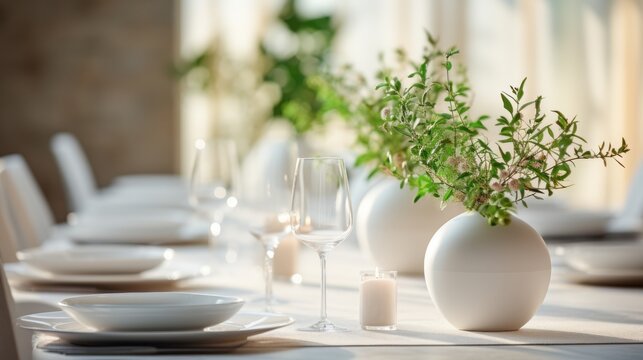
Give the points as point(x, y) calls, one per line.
point(321, 215)
point(214, 185)
point(270, 222)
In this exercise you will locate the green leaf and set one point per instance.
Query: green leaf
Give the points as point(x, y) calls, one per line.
point(452, 51)
point(364, 158)
point(560, 171)
point(448, 65)
point(507, 104)
point(477, 125)
point(447, 195)
point(521, 91)
point(506, 155)
point(432, 40)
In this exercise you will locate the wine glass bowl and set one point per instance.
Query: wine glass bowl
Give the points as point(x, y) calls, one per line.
point(270, 222)
point(214, 183)
point(321, 215)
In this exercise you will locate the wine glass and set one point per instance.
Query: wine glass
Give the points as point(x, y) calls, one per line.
point(270, 222)
point(214, 184)
point(321, 215)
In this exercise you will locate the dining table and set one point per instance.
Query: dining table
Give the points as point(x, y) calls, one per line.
point(575, 320)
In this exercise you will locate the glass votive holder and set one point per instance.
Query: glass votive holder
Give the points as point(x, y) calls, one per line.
point(378, 300)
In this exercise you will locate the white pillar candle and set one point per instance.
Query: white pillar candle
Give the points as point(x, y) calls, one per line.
point(378, 300)
point(286, 257)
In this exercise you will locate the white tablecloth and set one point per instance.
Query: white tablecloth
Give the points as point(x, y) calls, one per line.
point(571, 314)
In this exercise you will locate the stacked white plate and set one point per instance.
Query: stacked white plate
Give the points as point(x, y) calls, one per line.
point(137, 226)
point(153, 318)
point(605, 263)
point(558, 223)
point(96, 260)
point(100, 266)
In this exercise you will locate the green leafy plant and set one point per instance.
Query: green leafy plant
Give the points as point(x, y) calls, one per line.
point(426, 137)
point(298, 102)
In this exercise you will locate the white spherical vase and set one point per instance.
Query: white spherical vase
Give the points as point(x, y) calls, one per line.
point(487, 278)
point(394, 231)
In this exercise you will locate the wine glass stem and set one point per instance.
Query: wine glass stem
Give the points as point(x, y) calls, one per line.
point(216, 221)
point(322, 260)
point(267, 271)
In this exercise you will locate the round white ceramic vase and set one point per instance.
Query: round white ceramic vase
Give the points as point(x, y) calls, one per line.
point(394, 230)
point(487, 278)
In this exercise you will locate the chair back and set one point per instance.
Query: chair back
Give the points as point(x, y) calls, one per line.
point(8, 239)
point(634, 203)
point(28, 209)
point(80, 185)
point(7, 335)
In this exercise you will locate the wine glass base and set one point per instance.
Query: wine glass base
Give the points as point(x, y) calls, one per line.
point(324, 326)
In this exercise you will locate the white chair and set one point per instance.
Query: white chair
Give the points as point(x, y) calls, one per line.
point(8, 343)
point(631, 217)
point(8, 238)
point(80, 185)
point(28, 209)
point(132, 190)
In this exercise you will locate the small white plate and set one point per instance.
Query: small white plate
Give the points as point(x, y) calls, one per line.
point(151, 311)
point(132, 219)
point(606, 277)
point(191, 232)
point(96, 259)
point(236, 329)
point(161, 276)
point(621, 256)
point(565, 223)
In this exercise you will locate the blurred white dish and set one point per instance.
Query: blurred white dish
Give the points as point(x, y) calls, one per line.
point(235, 330)
point(151, 180)
point(131, 216)
point(623, 256)
point(151, 311)
point(606, 277)
point(96, 259)
point(563, 223)
point(161, 276)
point(189, 232)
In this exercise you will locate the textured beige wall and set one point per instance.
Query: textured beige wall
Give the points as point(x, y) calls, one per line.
point(96, 68)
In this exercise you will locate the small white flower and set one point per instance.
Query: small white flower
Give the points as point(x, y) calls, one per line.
point(462, 167)
point(455, 160)
point(514, 185)
point(385, 113)
point(495, 186)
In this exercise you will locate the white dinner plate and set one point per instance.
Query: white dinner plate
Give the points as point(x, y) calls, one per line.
point(566, 223)
point(148, 197)
point(607, 255)
point(132, 219)
point(112, 259)
point(606, 277)
point(235, 330)
point(151, 180)
point(192, 232)
point(151, 311)
point(161, 276)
